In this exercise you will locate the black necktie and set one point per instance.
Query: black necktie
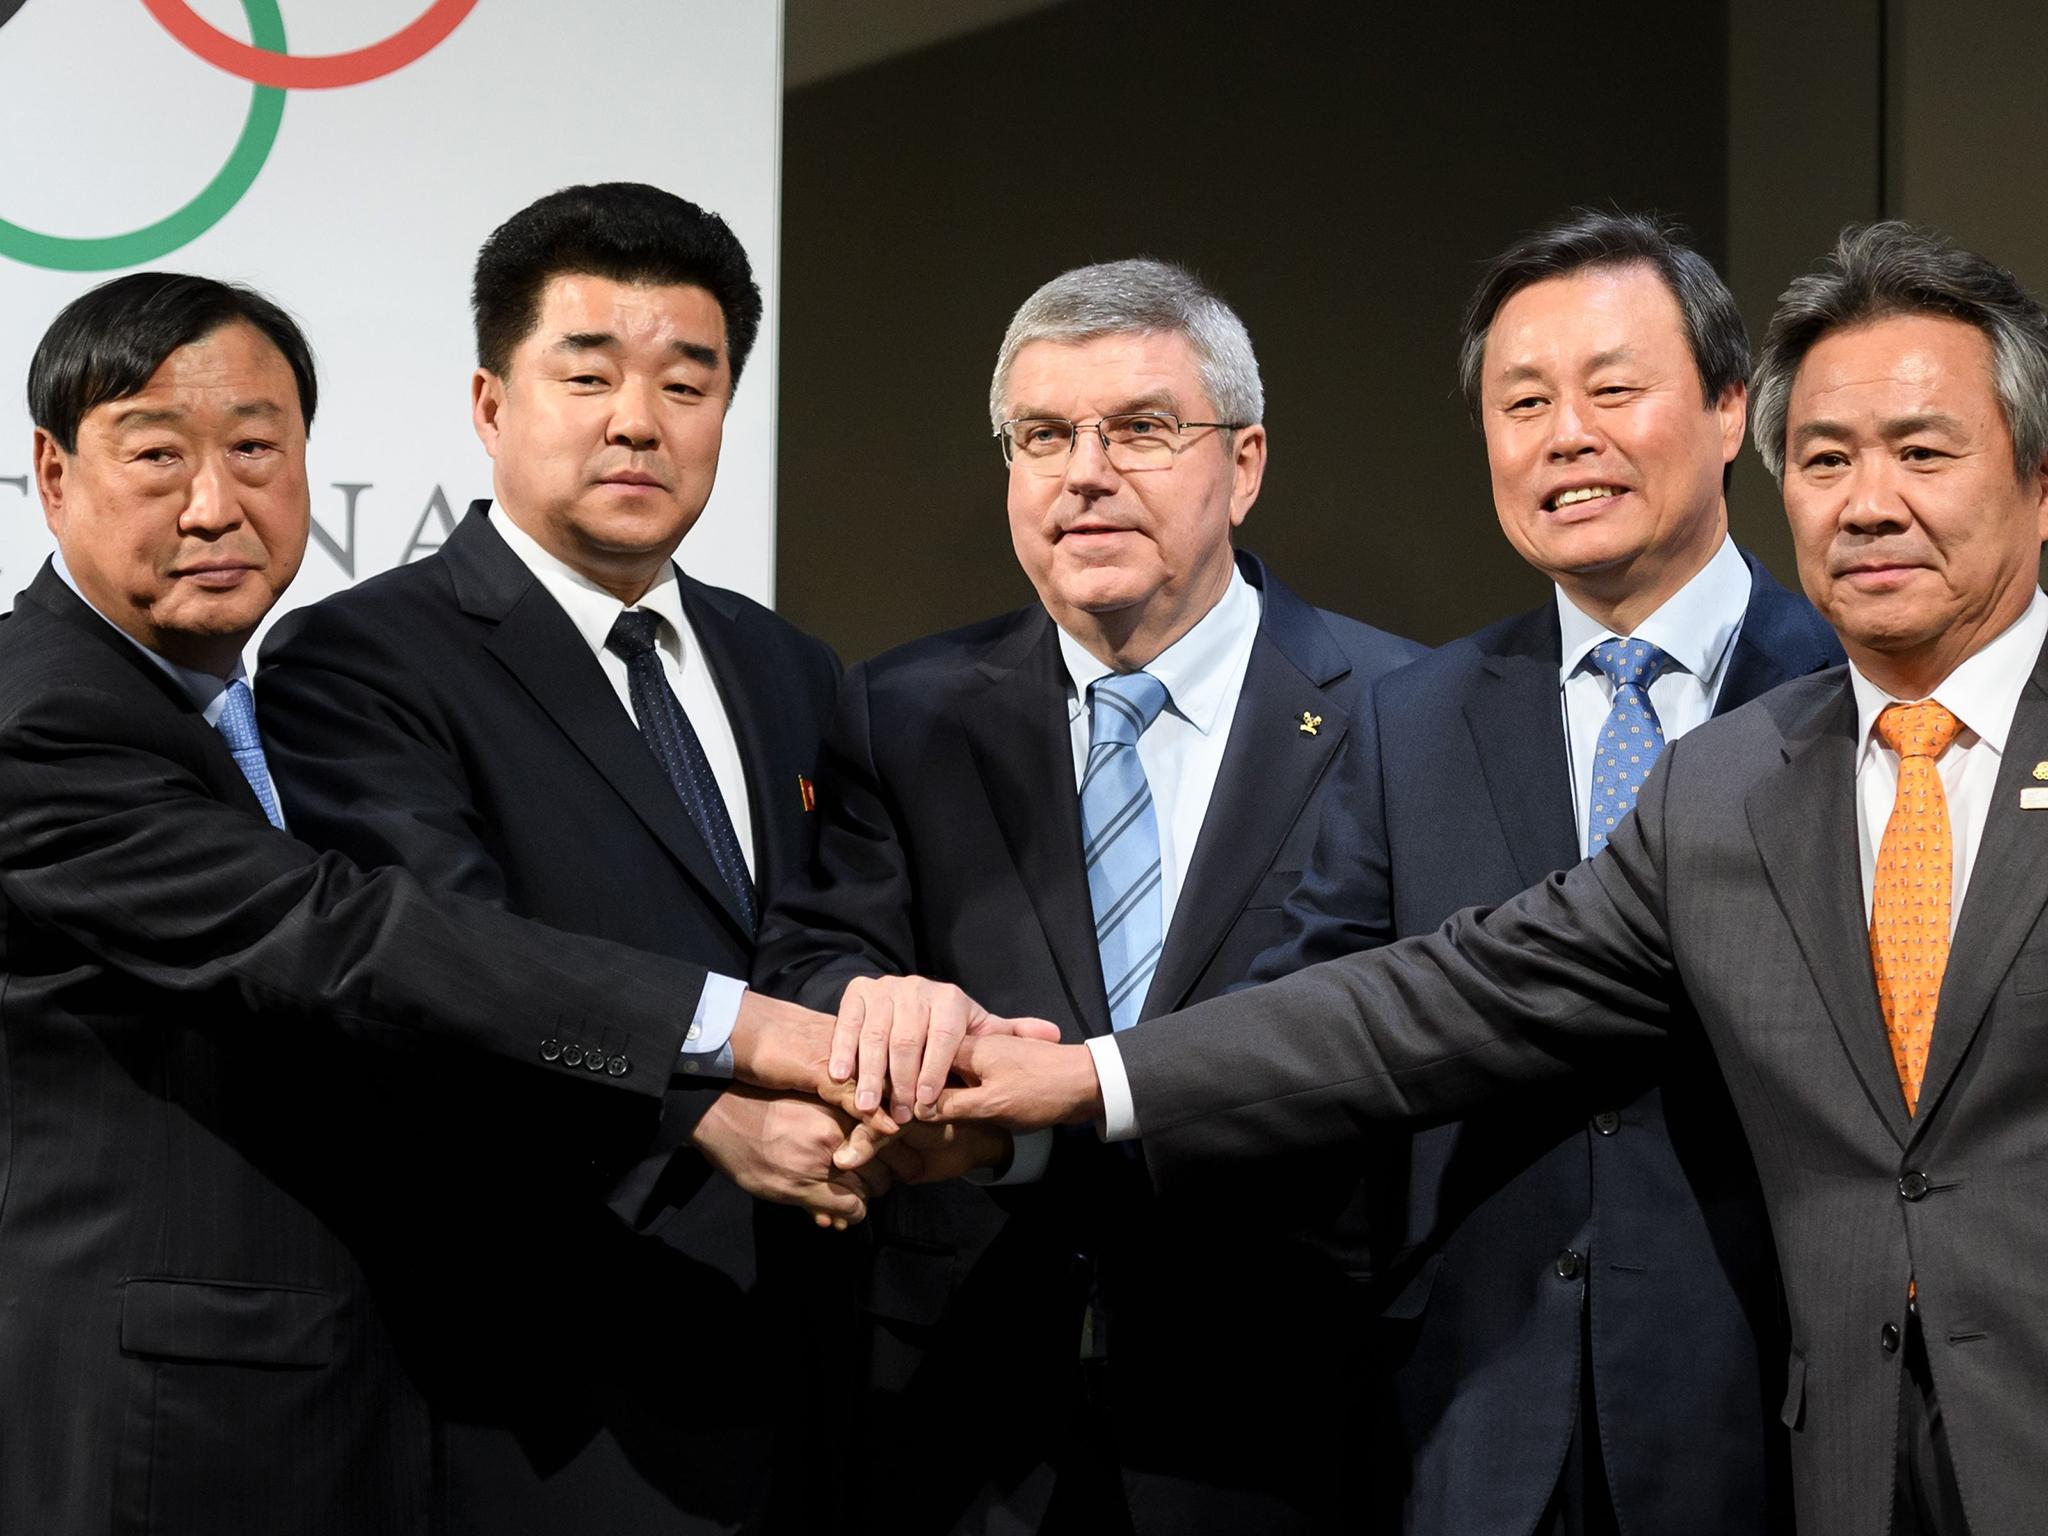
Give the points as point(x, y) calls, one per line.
point(677, 749)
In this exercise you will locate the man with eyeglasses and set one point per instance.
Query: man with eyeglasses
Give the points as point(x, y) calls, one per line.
point(1091, 811)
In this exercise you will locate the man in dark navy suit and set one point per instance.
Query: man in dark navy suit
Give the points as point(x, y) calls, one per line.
point(1584, 1316)
point(550, 716)
point(1091, 810)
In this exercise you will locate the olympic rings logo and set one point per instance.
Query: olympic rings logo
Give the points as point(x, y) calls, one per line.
point(271, 69)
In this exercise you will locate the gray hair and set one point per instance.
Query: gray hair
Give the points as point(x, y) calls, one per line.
point(1139, 297)
point(1877, 271)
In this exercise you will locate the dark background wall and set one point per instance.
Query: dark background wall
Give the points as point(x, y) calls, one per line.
point(1339, 173)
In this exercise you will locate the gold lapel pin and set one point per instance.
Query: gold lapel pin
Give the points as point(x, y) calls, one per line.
point(1309, 723)
point(2041, 771)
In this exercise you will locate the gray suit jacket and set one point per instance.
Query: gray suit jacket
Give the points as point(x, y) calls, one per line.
point(1736, 884)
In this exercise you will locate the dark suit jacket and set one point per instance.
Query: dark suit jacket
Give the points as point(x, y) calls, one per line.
point(191, 1338)
point(951, 847)
point(447, 717)
point(1454, 792)
point(1735, 884)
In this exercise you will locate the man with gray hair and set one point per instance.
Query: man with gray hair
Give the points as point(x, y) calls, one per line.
point(1840, 885)
point(1090, 811)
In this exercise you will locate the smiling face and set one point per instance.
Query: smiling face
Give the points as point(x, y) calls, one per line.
point(605, 433)
point(182, 514)
point(1606, 461)
point(1915, 538)
point(1127, 563)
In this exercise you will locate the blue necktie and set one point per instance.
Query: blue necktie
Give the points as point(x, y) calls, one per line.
point(1630, 737)
point(237, 726)
point(678, 750)
point(1120, 839)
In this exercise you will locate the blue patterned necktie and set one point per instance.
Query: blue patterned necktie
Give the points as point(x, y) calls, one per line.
point(1120, 839)
point(678, 750)
point(1630, 737)
point(237, 726)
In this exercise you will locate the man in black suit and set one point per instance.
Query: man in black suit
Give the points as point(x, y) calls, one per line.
point(193, 1187)
point(1547, 1249)
point(1127, 1367)
point(549, 716)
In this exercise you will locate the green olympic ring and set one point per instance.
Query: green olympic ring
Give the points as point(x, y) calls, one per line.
point(138, 247)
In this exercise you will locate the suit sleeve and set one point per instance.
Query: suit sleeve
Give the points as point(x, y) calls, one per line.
point(109, 838)
point(1344, 902)
point(849, 913)
point(1423, 1030)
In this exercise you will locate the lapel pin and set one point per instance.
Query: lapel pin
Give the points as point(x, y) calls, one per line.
point(807, 792)
point(2034, 798)
point(1309, 723)
point(2041, 771)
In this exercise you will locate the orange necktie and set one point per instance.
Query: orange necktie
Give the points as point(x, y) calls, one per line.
point(1909, 904)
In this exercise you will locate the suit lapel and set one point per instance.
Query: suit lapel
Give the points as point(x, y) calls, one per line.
point(535, 642)
point(2003, 901)
point(1517, 725)
point(1270, 767)
point(765, 751)
point(1018, 731)
point(1803, 817)
point(1781, 638)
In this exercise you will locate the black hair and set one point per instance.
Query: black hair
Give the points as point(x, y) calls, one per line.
point(623, 231)
point(106, 343)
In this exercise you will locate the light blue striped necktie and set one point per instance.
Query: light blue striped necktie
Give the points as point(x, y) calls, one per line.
point(1630, 737)
point(237, 724)
point(1120, 839)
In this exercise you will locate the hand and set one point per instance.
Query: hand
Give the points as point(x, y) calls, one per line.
point(779, 1147)
point(905, 1031)
point(780, 1046)
point(1021, 1084)
point(927, 1154)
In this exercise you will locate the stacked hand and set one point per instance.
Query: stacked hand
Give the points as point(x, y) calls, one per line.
point(809, 1127)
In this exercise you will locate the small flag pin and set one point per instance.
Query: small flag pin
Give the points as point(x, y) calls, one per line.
point(807, 792)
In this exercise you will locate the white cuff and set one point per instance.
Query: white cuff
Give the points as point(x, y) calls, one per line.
point(1119, 1113)
point(707, 1043)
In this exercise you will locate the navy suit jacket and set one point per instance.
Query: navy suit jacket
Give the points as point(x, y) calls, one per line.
point(1631, 1193)
point(950, 845)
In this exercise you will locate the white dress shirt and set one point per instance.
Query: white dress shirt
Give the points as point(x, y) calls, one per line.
point(1983, 694)
point(707, 1048)
point(1695, 627)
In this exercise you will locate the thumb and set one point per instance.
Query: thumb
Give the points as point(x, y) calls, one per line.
point(1023, 1029)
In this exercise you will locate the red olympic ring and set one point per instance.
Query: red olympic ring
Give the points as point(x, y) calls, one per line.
point(289, 71)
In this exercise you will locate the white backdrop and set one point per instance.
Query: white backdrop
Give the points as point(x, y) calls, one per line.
point(366, 218)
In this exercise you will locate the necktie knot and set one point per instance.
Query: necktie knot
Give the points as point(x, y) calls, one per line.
point(237, 723)
point(1918, 730)
point(1630, 662)
point(1122, 706)
point(633, 633)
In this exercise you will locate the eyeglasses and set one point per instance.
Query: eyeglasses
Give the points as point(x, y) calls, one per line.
point(1131, 440)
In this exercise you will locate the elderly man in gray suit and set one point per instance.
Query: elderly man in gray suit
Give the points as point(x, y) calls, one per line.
point(1847, 877)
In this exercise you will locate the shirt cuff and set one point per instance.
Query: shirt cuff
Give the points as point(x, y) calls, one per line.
point(707, 1043)
point(1030, 1151)
point(1119, 1113)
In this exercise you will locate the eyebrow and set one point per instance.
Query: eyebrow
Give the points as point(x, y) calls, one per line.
point(1891, 431)
point(1521, 371)
point(599, 341)
point(137, 418)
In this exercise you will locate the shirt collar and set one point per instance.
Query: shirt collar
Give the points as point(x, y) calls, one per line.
point(1983, 691)
point(590, 607)
point(1195, 668)
point(1695, 627)
point(205, 690)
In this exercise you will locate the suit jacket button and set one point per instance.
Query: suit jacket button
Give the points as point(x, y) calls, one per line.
point(593, 1060)
point(550, 1049)
point(572, 1055)
point(1568, 1264)
point(618, 1066)
point(1607, 1122)
point(1888, 1338)
point(1914, 1185)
